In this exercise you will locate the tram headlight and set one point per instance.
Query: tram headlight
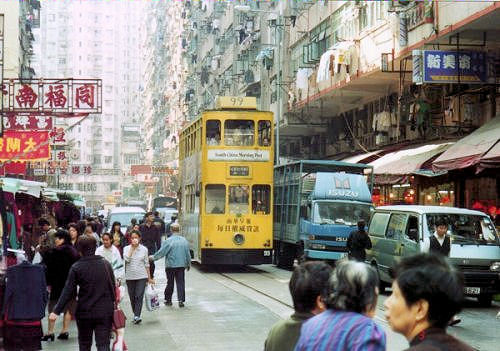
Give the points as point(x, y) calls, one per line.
point(495, 266)
point(238, 239)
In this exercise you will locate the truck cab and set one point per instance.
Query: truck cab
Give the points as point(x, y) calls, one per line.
point(317, 206)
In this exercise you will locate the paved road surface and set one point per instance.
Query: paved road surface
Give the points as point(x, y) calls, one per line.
point(233, 309)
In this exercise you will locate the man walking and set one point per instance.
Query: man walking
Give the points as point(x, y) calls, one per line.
point(309, 289)
point(151, 238)
point(160, 223)
point(177, 258)
point(358, 242)
point(439, 243)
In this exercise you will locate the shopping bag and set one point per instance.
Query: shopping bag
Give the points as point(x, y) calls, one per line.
point(152, 300)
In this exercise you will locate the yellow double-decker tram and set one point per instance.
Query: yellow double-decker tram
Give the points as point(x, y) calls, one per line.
point(226, 178)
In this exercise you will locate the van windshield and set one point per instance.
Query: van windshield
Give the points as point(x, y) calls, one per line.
point(326, 212)
point(466, 229)
point(125, 218)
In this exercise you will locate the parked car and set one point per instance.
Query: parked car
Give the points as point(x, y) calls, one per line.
point(124, 215)
point(399, 231)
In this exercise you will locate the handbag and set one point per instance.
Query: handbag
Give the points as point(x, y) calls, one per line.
point(119, 317)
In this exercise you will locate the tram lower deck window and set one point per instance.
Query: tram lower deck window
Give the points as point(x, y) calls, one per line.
point(238, 199)
point(215, 199)
point(261, 199)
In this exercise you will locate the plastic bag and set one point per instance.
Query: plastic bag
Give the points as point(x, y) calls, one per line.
point(152, 300)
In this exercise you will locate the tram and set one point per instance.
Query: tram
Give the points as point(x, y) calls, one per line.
point(226, 179)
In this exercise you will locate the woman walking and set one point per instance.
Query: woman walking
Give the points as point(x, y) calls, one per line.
point(73, 233)
point(58, 262)
point(111, 254)
point(94, 277)
point(117, 237)
point(137, 273)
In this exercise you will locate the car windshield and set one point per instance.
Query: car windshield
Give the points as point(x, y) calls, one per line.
point(466, 229)
point(326, 212)
point(125, 218)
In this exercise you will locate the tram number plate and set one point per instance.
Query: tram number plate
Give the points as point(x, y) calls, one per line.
point(267, 252)
point(472, 291)
point(239, 171)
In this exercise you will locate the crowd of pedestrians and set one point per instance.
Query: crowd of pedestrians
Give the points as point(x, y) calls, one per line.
point(334, 306)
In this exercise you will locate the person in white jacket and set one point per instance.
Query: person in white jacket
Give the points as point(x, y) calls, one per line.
point(111, 254)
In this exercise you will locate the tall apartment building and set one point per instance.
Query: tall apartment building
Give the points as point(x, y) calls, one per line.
point(342, 80)
point(96, 39)
point(164, 92)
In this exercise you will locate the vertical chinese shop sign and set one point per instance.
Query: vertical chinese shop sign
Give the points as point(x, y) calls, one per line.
point(24, 146)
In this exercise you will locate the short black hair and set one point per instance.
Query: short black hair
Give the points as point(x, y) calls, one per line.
point(86, 245)
point(353, 287)
point(108, 235)
point(135, 232)
point(133, 221)
point(92, 225)
point(63, 234)
point(361, 224)
point(148, 214)
point(432, 278)
point(42, 222)
point(156, 213)
point(309, 280)
point(80, 225)
point(440, 221)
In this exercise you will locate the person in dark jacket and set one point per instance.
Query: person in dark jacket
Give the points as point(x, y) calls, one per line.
point(160, 223)
point(358, 242)
point(426, 293)
point(309, 289)
point(96, 295)
point(151, 238)
point(58, 262)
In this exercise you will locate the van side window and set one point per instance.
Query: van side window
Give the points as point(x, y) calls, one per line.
point(397, 226)
point(412, 229)
point(378, 224)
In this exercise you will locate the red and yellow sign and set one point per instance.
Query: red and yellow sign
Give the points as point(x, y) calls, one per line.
point(24, 146)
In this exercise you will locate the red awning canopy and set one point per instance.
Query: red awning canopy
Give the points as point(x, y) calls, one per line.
point(468, 151)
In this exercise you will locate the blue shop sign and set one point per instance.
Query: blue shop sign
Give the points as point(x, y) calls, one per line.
point(453, 66)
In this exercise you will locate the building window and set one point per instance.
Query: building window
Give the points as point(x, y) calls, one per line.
point(108, 159)
point(51, 17)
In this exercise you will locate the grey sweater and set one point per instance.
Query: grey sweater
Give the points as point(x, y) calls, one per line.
point(135, 266)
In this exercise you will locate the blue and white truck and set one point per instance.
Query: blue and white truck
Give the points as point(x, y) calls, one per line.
point(317, 204)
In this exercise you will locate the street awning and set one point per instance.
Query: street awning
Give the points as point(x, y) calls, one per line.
point(359, 158)
point(492, 158)
point(14, 185)
point(396, 167)
point(470, 150)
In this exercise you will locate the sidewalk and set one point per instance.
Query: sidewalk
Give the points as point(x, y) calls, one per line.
point(215, 318)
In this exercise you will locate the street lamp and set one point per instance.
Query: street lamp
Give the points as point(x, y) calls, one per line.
point(246, 9)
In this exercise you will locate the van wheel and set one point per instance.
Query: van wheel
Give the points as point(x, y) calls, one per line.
point(485, 300)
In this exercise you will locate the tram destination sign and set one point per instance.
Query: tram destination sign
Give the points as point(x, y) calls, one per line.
point(239, 171)
point(238, 155)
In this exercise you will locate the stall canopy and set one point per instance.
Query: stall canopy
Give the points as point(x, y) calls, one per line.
point(396, 166)
point(470, 150)
point(74, 197)
point(492, 158)
point(14, 185)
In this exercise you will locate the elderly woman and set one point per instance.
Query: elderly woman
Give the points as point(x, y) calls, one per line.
point(426, 293)
point(347, 323)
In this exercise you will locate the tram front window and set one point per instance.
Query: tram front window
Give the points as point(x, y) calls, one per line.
point(239, 132)
point(215, 199)
point(238, 199)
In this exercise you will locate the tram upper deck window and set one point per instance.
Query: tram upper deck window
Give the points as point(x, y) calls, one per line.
point(215, 199)
point(213, 132)
point(239, 132)
point(238, 199)
point(264, 134)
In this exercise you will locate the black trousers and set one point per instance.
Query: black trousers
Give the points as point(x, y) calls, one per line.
point(152, 269)
point(136, 290)
point(101, 327)
point(176, 274)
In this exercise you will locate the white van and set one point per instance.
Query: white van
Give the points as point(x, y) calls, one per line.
point(399, 231)
point(124, 215)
